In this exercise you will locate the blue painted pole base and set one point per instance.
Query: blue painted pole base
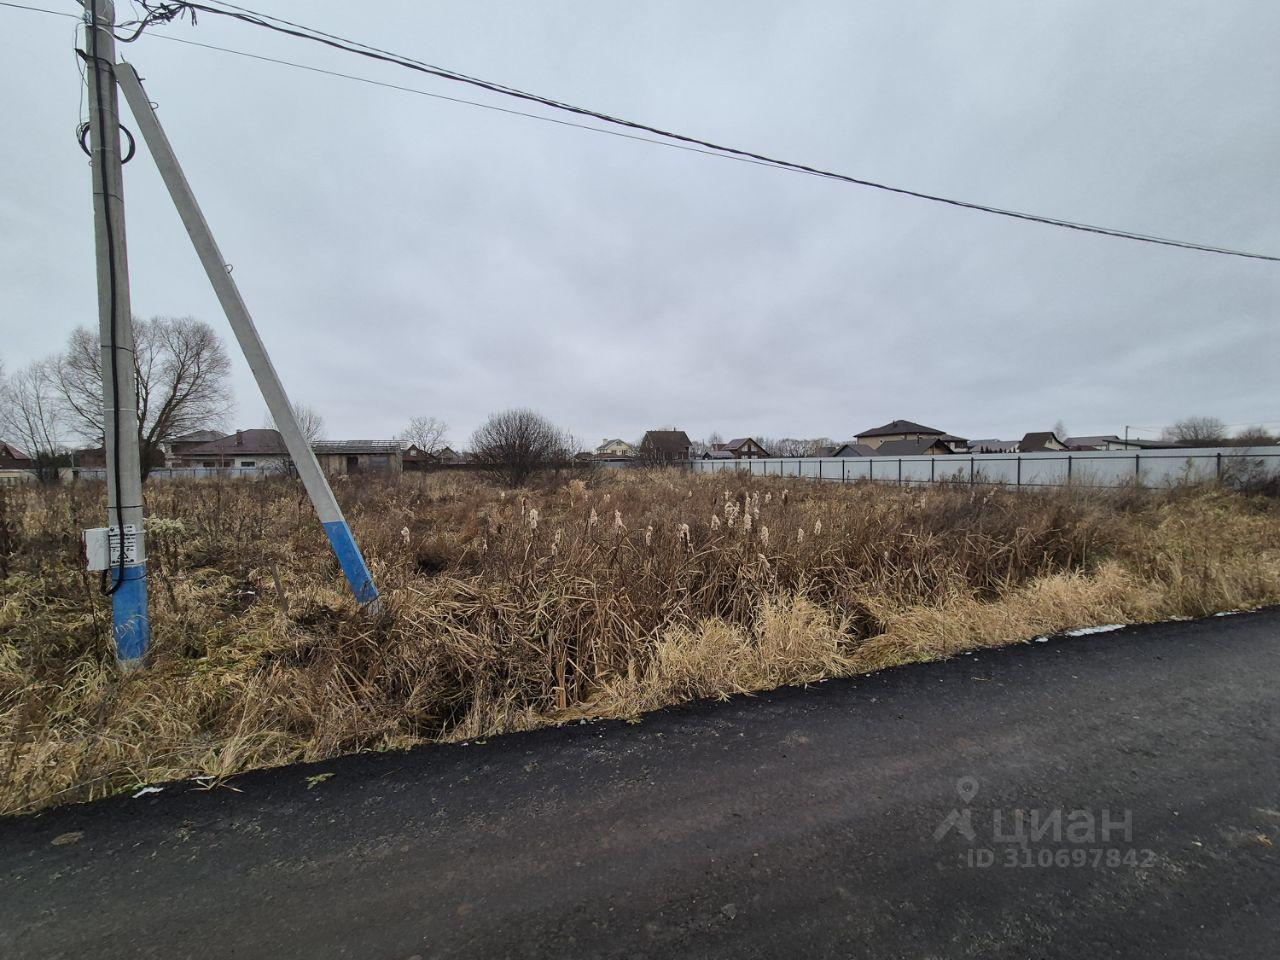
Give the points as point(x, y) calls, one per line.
point(129, 621)
point(352, 562)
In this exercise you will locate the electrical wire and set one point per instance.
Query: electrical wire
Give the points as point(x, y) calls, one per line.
point(23, 6)
point(167, 11)
point(459, 100)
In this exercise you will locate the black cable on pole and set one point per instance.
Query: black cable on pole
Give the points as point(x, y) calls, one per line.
point(99, 67)
point(164, 12)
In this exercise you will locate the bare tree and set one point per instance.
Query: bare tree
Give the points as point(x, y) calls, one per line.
point(514, 444)
point(309, 421)
point(1254, 437)
point(1197, 431)
point(787, 447)
point(702, 446)
point(30, 416)
point(183, 375)
point(426, 433)
point(1060, 430)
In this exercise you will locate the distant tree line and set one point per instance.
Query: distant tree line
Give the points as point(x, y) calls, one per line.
point(1212, 432)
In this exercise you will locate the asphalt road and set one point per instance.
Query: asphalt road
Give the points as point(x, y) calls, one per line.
point(801, 823)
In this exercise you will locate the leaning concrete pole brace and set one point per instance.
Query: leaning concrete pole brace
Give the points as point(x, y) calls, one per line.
point(121, 545)
point(304, 458)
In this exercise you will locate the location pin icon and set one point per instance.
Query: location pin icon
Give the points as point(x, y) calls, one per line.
point(967, 787)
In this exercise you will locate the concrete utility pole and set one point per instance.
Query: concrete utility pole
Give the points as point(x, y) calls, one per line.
point(304, 458)
point(124, 535)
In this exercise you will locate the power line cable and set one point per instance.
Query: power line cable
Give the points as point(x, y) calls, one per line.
point(165, 12)
point(460, 100)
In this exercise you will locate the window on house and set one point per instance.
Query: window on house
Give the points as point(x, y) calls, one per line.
point(248, 463)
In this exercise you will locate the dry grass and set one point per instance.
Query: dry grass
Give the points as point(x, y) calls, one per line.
point(498, 621)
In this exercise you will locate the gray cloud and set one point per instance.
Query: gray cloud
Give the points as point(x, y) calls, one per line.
point(404, 255)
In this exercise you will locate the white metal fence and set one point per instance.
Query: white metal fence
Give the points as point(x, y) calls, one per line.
point(182, 473)
point(1102, 468)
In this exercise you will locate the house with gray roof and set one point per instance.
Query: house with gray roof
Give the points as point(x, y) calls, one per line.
point(915, 447)
point(910, 430)
point(1041, 442)
point(851, 449)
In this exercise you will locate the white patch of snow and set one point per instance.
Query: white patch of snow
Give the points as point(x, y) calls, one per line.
point(1041, 639)
point(1085, 631)
point(145, 790)
point(1228, 613)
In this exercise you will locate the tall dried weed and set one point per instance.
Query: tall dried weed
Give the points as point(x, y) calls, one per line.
point(506, 612)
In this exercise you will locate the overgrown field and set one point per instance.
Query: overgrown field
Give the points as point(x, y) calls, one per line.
point(511, 610)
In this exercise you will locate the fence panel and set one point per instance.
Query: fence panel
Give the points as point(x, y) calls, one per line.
point(1105, 468)
point(917, 471)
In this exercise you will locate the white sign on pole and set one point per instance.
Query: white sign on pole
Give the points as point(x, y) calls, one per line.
point(102, 546)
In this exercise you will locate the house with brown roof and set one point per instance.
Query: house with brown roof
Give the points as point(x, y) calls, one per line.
point(15, 466)
point(413, 457)
point(666, 446)
point(244, 448)
point(11, 458)
point(741, 448)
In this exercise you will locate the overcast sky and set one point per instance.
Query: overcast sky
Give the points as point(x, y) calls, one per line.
point(404, 255)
